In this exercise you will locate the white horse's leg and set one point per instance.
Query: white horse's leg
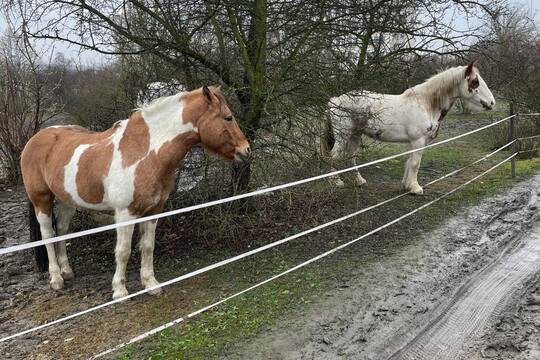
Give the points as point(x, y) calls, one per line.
point(359, 179)
point(46, 228)
point(148, 236)
point(336, 154)
point(410, 178)
point(122, 253)
point(64, 215)
point(354, 143)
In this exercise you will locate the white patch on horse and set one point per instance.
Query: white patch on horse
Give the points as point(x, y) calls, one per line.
point(164, 119)
point(119, 182)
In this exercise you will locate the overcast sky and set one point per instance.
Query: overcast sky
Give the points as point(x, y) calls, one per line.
point(94, 58)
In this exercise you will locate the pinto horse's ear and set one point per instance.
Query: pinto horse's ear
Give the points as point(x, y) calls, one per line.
point(206, 93)
point(469, 69)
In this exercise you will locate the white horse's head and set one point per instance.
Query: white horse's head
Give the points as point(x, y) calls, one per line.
point(474, 90)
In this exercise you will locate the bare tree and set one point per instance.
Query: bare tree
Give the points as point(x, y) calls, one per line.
point(267, 52)
point(26, 100)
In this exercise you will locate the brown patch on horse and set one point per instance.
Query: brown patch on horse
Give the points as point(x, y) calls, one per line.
point(94, 165)
point(444, 112)
point(195, 105)
point(474, 84)
point(135, 141)
point(158, 168)
point(44, 158)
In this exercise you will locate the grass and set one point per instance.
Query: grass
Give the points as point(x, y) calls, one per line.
point(210, 334)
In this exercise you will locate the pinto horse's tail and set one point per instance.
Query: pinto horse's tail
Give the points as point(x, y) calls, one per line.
point(40, 252)
point(327, 138)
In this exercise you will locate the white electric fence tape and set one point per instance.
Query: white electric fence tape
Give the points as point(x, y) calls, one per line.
point(243, 255)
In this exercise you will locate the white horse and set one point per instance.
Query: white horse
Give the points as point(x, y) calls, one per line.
point(412, 117)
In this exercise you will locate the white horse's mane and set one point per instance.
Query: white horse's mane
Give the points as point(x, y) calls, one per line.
point(439, 87)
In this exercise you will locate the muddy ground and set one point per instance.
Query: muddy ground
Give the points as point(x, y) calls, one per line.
point(393, 308)
point(469, 290)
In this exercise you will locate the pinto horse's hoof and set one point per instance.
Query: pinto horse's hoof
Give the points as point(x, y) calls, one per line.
point(67, 274)
point(120, 293)
point(57, 283)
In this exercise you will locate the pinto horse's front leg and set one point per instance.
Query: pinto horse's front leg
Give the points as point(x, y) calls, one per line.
point(122, 253)
point(148, 237)
point(410, 177)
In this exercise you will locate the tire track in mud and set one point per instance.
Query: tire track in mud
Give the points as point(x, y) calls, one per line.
point(480, 299)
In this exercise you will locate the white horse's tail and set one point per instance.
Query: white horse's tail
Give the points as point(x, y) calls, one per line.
point(327, 138)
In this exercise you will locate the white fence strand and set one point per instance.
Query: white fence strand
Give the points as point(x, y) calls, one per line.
point(30, 245)
point(528, 138)
point(318, 257)
point(244, 255)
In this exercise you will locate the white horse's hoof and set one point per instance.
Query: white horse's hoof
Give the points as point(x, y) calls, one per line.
point(67, 274)
point(360, 181)
point(120, 293)
point(154, 291)
point(416, 190)
point(57, 283)
point(337, 182)
point(150, 284)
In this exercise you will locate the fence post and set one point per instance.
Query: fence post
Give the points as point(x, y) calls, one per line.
point(511, 137)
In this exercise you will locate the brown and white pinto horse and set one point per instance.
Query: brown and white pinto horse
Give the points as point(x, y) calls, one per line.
point(129, 168)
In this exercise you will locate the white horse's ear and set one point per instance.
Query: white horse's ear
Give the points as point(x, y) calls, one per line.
point(470, 68)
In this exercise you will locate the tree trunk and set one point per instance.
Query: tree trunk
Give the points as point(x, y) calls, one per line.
point(253, 96)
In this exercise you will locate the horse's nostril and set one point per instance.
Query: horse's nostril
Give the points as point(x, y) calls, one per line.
point(248, 150)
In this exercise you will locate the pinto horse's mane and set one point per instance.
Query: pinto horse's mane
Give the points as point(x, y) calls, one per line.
point(159, 103)
point(439, 87)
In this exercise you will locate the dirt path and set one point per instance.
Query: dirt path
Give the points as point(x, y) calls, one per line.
point(476, 302)
point(439, 298)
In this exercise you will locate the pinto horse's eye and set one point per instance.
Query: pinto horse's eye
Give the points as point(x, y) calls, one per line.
point(229, 118)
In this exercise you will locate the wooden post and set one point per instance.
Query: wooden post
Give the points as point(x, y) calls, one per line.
point(511, 137)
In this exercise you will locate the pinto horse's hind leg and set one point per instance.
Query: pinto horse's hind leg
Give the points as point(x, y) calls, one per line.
point(64, 214)
point(148, 236)
point(410, 177)
point(122, 252)
point(47, 231)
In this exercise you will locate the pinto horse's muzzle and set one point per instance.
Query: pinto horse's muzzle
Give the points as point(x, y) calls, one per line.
point(243, 155)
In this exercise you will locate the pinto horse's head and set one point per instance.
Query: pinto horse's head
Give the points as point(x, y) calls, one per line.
point(474, 90)
point(217, 126)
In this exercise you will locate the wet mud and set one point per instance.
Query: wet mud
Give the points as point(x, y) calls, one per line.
point(469, 290)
